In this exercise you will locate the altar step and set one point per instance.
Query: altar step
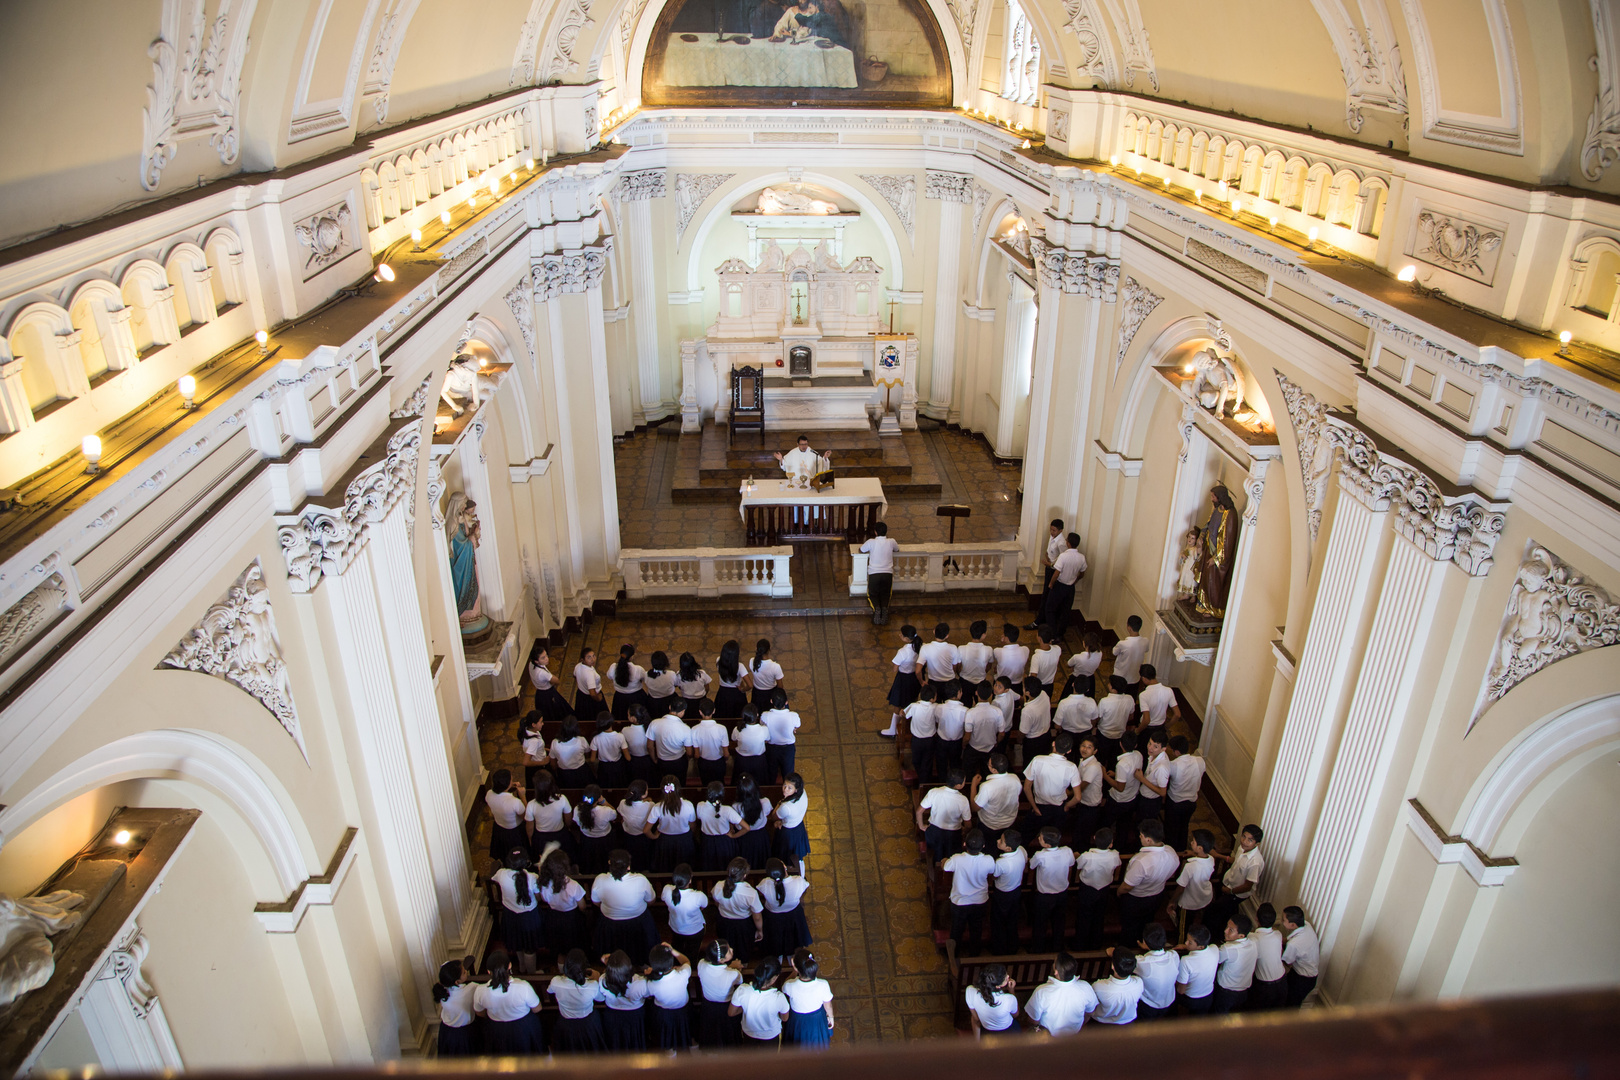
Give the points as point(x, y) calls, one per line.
point(707, 470)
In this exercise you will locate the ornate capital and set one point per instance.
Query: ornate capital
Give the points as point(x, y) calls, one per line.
point(644, 184)
point(574, 270)
point(1075, 272)
point(322, 540)
point(951, 187)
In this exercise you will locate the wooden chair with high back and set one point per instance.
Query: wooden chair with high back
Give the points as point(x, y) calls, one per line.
point(747, 401)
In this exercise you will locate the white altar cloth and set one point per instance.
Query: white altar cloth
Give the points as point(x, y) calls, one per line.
point(844, 492)
point(712, 62)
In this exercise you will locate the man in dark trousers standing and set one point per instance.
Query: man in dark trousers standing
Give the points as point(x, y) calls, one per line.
point(880, 552)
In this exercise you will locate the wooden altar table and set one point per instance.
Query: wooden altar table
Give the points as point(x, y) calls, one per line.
point(775, 512)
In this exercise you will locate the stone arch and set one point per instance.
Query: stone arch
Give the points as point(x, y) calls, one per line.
point(99, 313)
point(147, 291)
point(43, 335)
point(193, 280)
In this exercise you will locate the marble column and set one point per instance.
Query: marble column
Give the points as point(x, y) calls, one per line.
point(635, 192)
point(952, 192)
point(1018, 343)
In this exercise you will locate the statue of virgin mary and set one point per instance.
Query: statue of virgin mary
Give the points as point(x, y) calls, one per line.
point(1214, 570)
point(461, 518)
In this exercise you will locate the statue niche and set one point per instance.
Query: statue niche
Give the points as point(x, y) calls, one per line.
point(464, 532)
point(1204, 573)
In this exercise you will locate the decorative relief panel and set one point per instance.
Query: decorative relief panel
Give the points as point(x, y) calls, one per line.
point(236, 640)
point(1460, 246)
point(1090, 34)
point(564, 37)
point(323, 540)
point(1057, 125)
point(327, 237)
point(1309, 417)
point(950, 187)
point(1602, 144)
point(413, 405)
point(1075, 272)
point(691, 191)
point(1139, 302)
point(1552, 613)
point(1222, 263)
point(642, 184)
point(572, 271)
point(194, 92)
point(900, 192)
point(520, 298)
point(35, 611)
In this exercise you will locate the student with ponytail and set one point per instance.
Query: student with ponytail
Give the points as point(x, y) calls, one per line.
point(764, 673)
point(685, 904)
point(458, 1035)
point(532, 741)
point(638, 748)
point(903, 691)
point(588, 699)
point(782, 895)
point(547, 815)
point(792, 839)
point(633, 811)
point(621, 898)
point(754, 811)
point(576, 988)
point(595, 820)
point(610, 753)
point(761, 1006)
point(547, 701)
point(659, 685)
point(691, 681)
point(732, 695)
point(624, 992)
point(719, 826)
point(670, 824)
point(991, 1002)
point(521, 922)
point(627, 680)
point(719, 972)
point(736, 903)
point(568, 752)
point(669, 974)
point(565, 901)
point(748, 748)
point(505, 802)
point(709, 741)
point(810, 998)
point(512, 1009)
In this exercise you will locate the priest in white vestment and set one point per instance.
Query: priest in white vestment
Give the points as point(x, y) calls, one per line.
point(803, 461)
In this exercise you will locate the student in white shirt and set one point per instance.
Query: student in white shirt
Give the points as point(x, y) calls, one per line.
point(732, 694)
point(1007, 880)
point(1095, 870)
point(996, 796)
point(781, 745)
point(685, 904)
point(709, 740)
point(782, 895)
point(738, 910)
point(1129, 653)
point(594, 818)
point(1076, 713)
point(670, 825)
point(576, 988)
point(1056, 544)
point(749, 740)
point(532, 741)
point(1181, 798)
point(1156, 967)
point(627, 680)
point(1270, 988)
point(669, 976)
point(659, 683)
point(669, 740)
point(1053, 864)
point(1145, 876)
point(638, 750)
point(942, 815)
point(588, 699)
point(920, 722)
point(940, 658)
point(754, 812)
point(691, 681)
point(1052, 785)
point(1045, 662)
point(1195, 975)
point(1156, 700)
point(624, 992)
point(810, 1020)
point(761, 1006)
point(510, 1008)
point(564, 900)
point(719, 826)
point(458, 1035)
point(1012, 659)
point(765, 674)
point(1193, 889)
point(719, 972)
point(1114, 714)
point(1061, 1004)
point(1153, 778)
point(1120, 993)
point(903, 691)
point(981, 732)
point(1088, 814)
point(1035, 720)
point(970, 871)
point(505, 802)
point(792, 842)
point(1243, 869)
point(880, 552)
point(991, 1002)
point(551, 704)
point(610, 752)
point(1302, 952)
point(950, 727)
point(1058, 601)
point(1083, 666)
point(1124, 784)
point(521, 918)
point(1238, 955)
point(977, 657)
point(546, 815)
point(568, 756)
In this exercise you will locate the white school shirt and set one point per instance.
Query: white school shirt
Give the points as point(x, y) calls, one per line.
point(635, 992)
point(507, 880)
point(1158, 771)
point(1076, 714)
point(997, 1014)
point(541, 677)
point(1052, 868)
point(767, 675)
point(970, 877)
point(947, 808)
point(586, 678)
point(1125, 771)
point(905, 661)
point(1197, 971)
point(535, 747)
point(685, 912)
point(503, 1006)
point(764, 815)
point(807, 995)
point(997, 800)
point(1010, 867)
point(1068, 566)
point(598, 822)
point(625, 898)
point(1091, 781)
point(1050, 777)
point(635, 740)
point(1155, 702)
point(567, 899)
point(505, 807)
point(1246, 866)
point(549, 817)
point(696, 688)
point(1128, 657)
point(456, 1011)
point(920, 718)
point(1196, 891)
point(638, 675)
point(574, 1000)
point(711, 739)
point(880, 552)
point(1096, 867)
point(1117, 999)
point(750, 739)
point(633, 816)
point(976, 660)
point(671, 991)
point(570, 753)
point(742, 903)
point(1157, 970)
point(784, 895)
point(661, 685)
point(1186, 775)
point(1006, 704)
point(610, 745)
point(717, 820)
point(950, 720)
point(1061, 1007)
point(780, 724)
point(1268, 961)
point(1303, 952)
point(1055, 546)
point(1085, 663)
point(982, 725)
point(669, 736)
point(1011, 661)
point(1114, 715)
point(1149, 869)
point(1044, 664)
point(761, 1011)
point(672, 824)
point(1237, 964)
point(1036, 719)
point(790, 812)
point(717, 981)
point(939, 660)
point(742, 670)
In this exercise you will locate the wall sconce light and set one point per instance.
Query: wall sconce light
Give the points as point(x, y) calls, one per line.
point(1408, 274)
point(384, 273)
point(91, 448)
point(444, 218)
point(262, 340)
point(188, 392)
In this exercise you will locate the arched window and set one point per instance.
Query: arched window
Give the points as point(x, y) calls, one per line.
point(1021, 71)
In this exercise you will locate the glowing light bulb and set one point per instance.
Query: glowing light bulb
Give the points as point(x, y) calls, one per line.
point(1408, 274)
point(1114, 161)
point(121, 837)
point(1198, 197)
point(444, 218)
point(1314, 233)
point(1564, 337)
point(188, 390)
point(1026, 144)
point(528, 163)
point(416, 236)
point(1273, 223)
point(1237, 206)
point(263, 339)
point(1187, 369)
point(384, 273)
point(91, 448)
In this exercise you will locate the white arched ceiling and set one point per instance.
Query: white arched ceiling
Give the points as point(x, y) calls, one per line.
point(324, 94)
point(720, 209)
point(1477, 117)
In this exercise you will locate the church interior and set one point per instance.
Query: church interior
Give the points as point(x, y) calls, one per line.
point(1191, 431)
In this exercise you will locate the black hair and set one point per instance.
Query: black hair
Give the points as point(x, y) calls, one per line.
point(909, 632)
point(929, 692)
point(778, 698)
point(1063, 744)
point(1064, 967)
point(802, 438)
point(1153, 937)
point(1032, 685)
point(500, 781)
point(545, 788)
point(572, 966)
point(974, 842)
point(998, 763)
point(798, 787)
point(1117, 683)
point(1294, 914)
point(517, 860)
point(1091, 641)
point(1179, 744)
point(554, 871)
point(748, 800)
point(1124, 965)
point(955, 778)
point(636, 792)
point(660, 961)
point(671, 800)
point(1047, 633)
point(978, 629)
point(1009, 631)
point(880, 529)
point(750, 715)
point(689, 667)
point(1050, 836)
point(776, 871)
point(570, 728)
point(1085, 740)
point(1127, 741)
point(618, 863)
point(989, 980)
point(681, 876)
point(658, 664)
point(639, 715)
point(449, 975)
point(534, 653)
point(1266, 916)
point(618, 973)
point(1074, 540)
point(1151, 829)
point(605, 722)
point(715, 792)
point(1243, 923)
point(1255, 831)
point(1134, 622)
point(983, 691)
point(1103, 838)
point(1057, 523)
point(1204, 839)
point(762, 649)
point(705, 708)
point(500, 970)
point(1012, 838)
point(529, 726)
point(765, 972)
point(1154, 735)
point(804, 962)
point(591, 795)
point(1198, 935)
point(1148, 671)
point(621, 670)
point(736, 871)
point(942, 630)
point(717, 950)
point(727, 664)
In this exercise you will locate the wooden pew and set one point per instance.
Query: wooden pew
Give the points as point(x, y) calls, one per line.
point(1028, 971)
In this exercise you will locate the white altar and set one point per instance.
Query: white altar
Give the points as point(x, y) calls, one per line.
point(779, 509)
point(711, 61)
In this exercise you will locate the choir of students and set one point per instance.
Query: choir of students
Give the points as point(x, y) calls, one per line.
point(606, 802)
point(1104, 774)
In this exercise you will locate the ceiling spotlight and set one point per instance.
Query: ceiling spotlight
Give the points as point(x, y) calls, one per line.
point(91, 447)
point(188, 391)
point(1408, 274)
point(384, 273)
point(122, 837)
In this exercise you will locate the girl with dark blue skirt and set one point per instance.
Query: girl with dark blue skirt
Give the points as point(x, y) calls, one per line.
point(719, 826)
point(569, 752)
point(659, 684)
point(565, 905)
point(782, 894)
point(719, 973)
point(732, 695)
point(755, 812)
point(458, 1033)
point(521, 920)
point(624, 992)
point(579, 1029)
point(610, 753)
point(810, 1023)
point(627, 680)
point(903, 691)
point(633, 811)
point(670, 823)
point(547, 700)
point(738, 911)
point(595, 818)
point(792, 840)
point(669, 974)
point(748, 742)
point(512, 1010)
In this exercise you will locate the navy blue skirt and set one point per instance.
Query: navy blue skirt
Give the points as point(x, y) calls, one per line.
point(594, 852)
point(520, 930)
point(671, 1030)
point(904, 690)
point(809, 1030)
point(786, 931)
point(740, 933)
point(635, 936)
point(581, 1036)
point(716, 1026)
point(755, 846)
point(565, 930)
point(514, 1037)
point(670, 851)
point(613, 775)
point(503, 841)
point(729, 703)
point(457, 1042)
point(716, 852)
point(625, 1029)
point(792, 843)
point(552, 705)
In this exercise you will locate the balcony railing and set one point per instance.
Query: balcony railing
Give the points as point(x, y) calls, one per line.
point(944, 567)
point(706, 572)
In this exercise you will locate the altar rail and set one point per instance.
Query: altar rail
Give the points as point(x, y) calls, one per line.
point(941, 567)
point(706, 572)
